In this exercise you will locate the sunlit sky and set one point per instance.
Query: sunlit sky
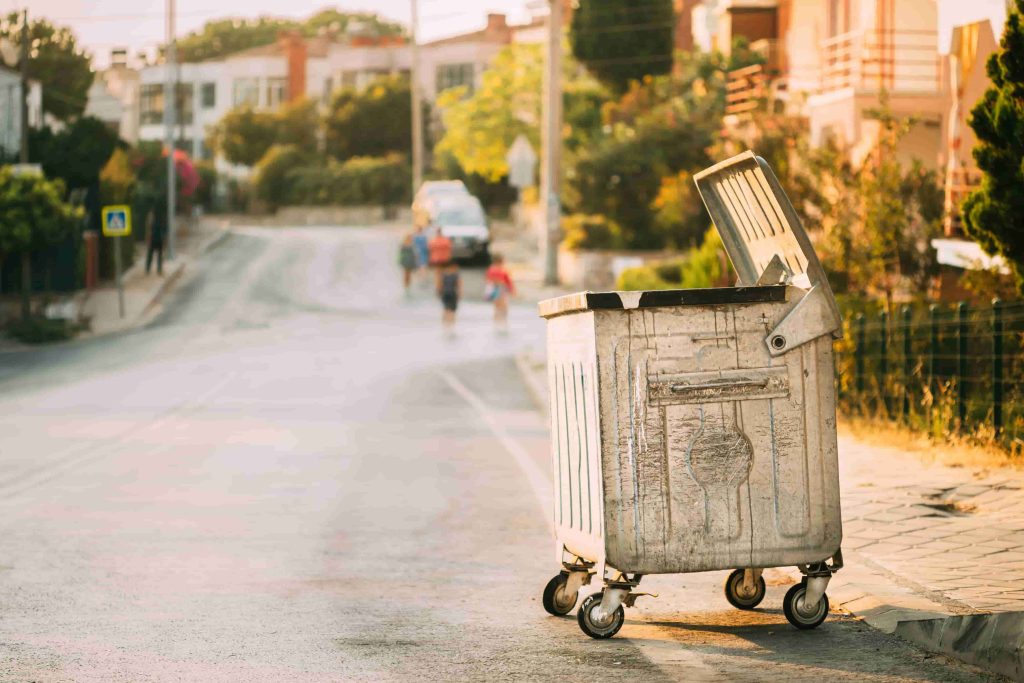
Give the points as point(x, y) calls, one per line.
point(139, 24)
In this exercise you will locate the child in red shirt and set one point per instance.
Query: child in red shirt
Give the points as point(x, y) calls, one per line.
point(499, 288)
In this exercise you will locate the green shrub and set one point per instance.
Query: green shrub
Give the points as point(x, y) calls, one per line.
point(642, 278)
point(271, 171)
point(383, 181)
point(701, 267)
point(585, 231)
point(36, 330)
point(706, 265)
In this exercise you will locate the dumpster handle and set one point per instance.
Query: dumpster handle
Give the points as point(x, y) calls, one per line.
point(715, 383)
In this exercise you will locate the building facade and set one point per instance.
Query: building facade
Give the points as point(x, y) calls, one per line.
point(295, 67)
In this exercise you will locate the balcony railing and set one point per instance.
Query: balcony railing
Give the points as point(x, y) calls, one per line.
point(751, 86)
point(899, 61)
point(745, 89)
point(959, 183)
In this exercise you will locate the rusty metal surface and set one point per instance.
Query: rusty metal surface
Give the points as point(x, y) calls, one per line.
point(712, 454)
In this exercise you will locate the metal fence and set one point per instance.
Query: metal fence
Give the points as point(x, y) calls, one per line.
point(941, 369)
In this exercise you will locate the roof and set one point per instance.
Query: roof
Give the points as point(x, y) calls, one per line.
point(316, 46)
point(472, 37)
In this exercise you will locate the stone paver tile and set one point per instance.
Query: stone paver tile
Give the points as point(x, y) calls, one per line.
point(876, 533)
point(858, 543)
point(883, 550)
point(941, 545)
point(1000, 543)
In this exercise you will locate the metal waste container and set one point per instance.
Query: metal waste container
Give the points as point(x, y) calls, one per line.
point(695, 430)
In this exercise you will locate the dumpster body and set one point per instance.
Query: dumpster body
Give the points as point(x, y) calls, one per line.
point(694, 430)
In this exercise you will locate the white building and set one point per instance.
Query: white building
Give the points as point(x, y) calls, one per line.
point(10, 110)
point(268, 76)
point(114, 95)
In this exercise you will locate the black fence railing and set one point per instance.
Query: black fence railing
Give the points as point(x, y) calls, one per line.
point(947, 370)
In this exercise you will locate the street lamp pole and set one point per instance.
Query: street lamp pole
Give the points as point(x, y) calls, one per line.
point(170, 92)
point(417, 107)
point(24, 87)
point(551, 142)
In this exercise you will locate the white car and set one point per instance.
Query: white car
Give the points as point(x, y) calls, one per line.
point(464, 222)
point(433, 191)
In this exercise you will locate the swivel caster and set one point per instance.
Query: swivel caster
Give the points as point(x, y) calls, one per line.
point(557, 600)
point(800, 614)
point(594, 623)
point(741, 596)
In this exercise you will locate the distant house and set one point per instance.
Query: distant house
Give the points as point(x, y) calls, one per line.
point(114, 95)
point(295, 66)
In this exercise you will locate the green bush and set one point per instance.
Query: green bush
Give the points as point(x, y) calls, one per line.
point(706, 265)
point(36, 330)
point(383, 181)
point(271, 172)
point(701, 267)
point(585, 231)
point(642, 278)
point(376, 180)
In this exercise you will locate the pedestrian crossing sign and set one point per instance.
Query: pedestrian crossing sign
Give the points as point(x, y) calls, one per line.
point(117, 220)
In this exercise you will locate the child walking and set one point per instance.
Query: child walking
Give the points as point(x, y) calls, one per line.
point(499, 288)
point(449, 288)
point(407, 260)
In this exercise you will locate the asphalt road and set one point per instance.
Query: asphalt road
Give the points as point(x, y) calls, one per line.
point(291, 474)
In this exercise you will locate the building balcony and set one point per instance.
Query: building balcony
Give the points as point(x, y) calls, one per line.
point(901, 62)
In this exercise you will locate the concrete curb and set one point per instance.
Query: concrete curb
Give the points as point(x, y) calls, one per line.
point(991, 641)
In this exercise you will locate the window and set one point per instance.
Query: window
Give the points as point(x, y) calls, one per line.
point(454, 75)
point(183, 104)
point(246, 91)
point(151, 103)
point(208, 95)
point(325, 97)
point(348, 79)
point(277, 92)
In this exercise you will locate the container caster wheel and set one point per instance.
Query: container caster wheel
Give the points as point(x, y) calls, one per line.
point(556, 601)
point(595, 627)
point(798, 614)
point(739, 598)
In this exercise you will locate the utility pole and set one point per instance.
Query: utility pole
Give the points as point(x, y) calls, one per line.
point(170, 101)
point(417, 107)
point(551, 143)
point(24, 87)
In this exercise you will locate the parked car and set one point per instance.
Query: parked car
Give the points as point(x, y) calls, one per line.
point(464, 222)
point(433, 191)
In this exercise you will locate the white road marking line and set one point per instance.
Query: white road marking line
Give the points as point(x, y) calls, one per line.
point(539, 482)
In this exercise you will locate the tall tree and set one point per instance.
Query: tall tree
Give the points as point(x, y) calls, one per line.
point(992, 213)
point(33, 216)
point(223, 36)
point(77, 153)
point(623, 40)
point(244, 135)
point(56, 61)
point(479, 128)
point(371, 122)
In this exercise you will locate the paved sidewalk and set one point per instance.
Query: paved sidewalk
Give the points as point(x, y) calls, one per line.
point(142, 291)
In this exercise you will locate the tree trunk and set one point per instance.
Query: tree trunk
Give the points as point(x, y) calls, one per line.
point(26, 285)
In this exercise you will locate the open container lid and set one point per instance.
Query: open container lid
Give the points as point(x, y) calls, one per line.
point(767, 244)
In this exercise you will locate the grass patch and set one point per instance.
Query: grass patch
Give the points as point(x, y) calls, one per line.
point(39, 330)
point(978, 450)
